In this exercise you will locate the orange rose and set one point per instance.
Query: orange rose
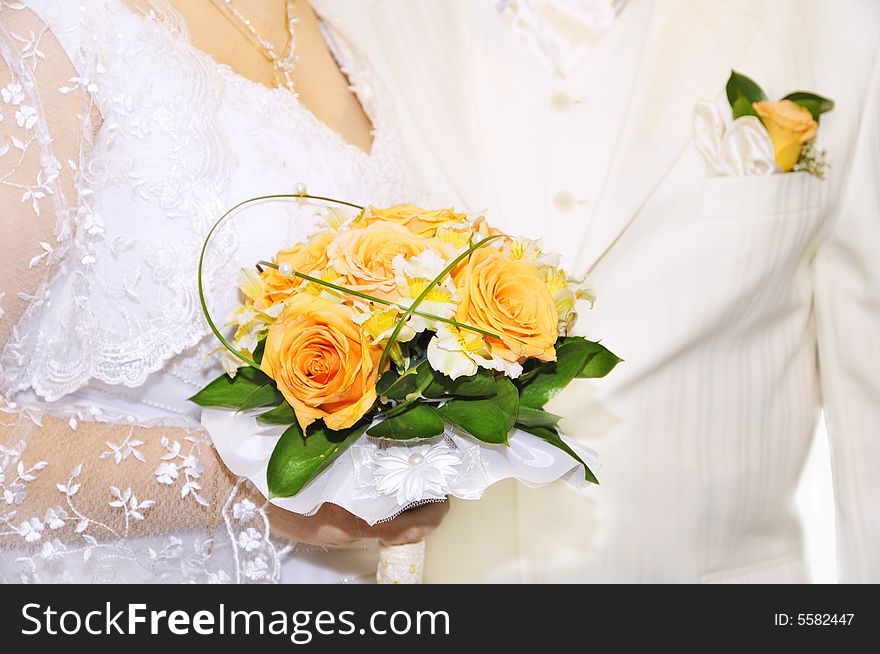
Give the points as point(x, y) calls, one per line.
point(363, 257)
point(306, 258)
point(321, 361)
point(789, 126)
point(421, 222)
point(510, 299)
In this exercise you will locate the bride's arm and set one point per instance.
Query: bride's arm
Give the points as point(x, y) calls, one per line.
point(37, 123)
point(42, 134)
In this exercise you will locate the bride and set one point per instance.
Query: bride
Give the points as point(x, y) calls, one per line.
point(126, 128)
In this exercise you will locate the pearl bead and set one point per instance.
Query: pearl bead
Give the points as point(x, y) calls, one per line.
point(285, 269)
point(301, 189)
point(416, 460)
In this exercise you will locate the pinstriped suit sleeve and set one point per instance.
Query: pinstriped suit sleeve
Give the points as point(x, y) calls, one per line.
point(847, 282)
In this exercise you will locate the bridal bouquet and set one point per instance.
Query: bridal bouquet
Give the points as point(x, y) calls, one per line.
point(396, 357)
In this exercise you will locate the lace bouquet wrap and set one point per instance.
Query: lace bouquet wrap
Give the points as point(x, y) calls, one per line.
point(396, 357)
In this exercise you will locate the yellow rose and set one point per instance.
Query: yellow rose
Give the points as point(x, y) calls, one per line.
point(322, 363)
point(510, 299)
point(790, 126)
point(421, 222)
point(307, 258)
point(363, 257)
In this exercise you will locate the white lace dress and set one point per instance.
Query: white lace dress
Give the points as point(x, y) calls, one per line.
point(120, 145)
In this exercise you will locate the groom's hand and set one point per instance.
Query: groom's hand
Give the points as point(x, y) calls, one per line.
point(333, 526)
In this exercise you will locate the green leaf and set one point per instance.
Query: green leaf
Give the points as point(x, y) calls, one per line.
point(600, 361)
point(281, 415)
point(417, 421)
point(401, 387)
point(264, 395)
point(528, 417)
point(550, 378)
point(297, 460)
point(742, 107)
point(261, 347)
point(249, 389)
point(815, 104)
point(554, 439)
point(489, 420)
point(482, 384)
point(742, 92)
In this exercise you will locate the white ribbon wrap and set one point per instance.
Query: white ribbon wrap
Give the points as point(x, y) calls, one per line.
point(377, 480)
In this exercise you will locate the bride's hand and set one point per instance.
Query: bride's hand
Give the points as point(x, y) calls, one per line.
point(333, 526)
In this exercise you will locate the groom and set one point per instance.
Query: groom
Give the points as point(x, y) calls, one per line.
point(743, 304)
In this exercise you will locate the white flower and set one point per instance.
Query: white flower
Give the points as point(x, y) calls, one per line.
point(50, 168)
point(193, 467)
point(250, 322)
point(12, 93)
point(415, 473)
point(26, 116)
point(167, 472)
point(256, 569)
point(379, 323)
point(31, 531)
point(413, 276)
point(15, 494)
point(251, 284)
point(244, 510)
point(426, 265)
point(2, 312)
point(55, 518)
point(524, 249)
point(458, 353)
point(249, 540)
point(231, 363)
point(566, 292)
point(91, 223)
point(52, 551)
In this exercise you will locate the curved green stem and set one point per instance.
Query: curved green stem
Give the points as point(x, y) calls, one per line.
point(277, 196)
point(452, 264)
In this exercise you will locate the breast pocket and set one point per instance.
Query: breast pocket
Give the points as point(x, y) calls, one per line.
point(789, 194)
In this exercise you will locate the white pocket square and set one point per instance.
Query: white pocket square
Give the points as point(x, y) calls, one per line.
point(741, 148)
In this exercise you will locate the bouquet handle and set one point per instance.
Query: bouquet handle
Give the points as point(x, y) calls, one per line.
point(401, 564)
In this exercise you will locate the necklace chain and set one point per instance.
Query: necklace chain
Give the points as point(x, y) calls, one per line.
point(282, 66)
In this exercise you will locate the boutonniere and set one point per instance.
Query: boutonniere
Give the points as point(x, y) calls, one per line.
point(791, 123)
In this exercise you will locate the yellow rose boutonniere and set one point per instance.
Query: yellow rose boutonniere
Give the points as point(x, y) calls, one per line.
point(791, 123)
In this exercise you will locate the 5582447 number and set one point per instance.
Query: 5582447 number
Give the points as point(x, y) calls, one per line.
point(813, 619)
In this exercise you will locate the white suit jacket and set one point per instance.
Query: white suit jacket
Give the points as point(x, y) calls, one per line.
point(741, 305)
